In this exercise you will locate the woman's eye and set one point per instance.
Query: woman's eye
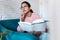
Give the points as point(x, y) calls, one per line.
point(25, 6)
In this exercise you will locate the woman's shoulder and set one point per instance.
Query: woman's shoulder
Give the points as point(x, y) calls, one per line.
point(36, 15)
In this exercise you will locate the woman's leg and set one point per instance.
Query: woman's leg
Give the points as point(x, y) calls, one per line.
point(37, 34)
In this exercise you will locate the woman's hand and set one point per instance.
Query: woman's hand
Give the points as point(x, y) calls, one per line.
point(22, 16)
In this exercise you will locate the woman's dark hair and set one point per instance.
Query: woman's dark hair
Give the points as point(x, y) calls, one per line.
point(28, 5)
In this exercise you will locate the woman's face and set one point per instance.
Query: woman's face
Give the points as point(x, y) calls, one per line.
point(25, 8)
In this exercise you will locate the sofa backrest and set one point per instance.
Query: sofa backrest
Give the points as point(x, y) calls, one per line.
point(10, 24)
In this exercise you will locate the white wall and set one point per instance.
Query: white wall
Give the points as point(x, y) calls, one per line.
point(43, 9)
point(54, 16)
point(10, 9)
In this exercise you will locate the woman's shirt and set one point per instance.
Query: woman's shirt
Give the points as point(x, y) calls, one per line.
point(30, 19)
point(33, 17)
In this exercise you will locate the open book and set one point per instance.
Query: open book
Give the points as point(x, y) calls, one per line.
point(37, 25)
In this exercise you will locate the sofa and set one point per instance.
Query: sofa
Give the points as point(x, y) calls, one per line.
point(11, 25)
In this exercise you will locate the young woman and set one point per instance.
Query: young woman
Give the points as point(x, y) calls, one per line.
point(27, 15)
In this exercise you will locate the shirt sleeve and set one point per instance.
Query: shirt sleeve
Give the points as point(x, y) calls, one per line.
point(18, 28)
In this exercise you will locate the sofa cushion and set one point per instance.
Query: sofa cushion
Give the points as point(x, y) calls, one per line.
point(13, 35)
point(20, 36)
point(10, 24)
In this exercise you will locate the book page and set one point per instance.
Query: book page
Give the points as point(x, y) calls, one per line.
point(25, 26)
point(39, 27)
point(38, 21)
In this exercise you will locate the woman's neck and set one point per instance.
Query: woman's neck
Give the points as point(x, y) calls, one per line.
point(29, 14)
